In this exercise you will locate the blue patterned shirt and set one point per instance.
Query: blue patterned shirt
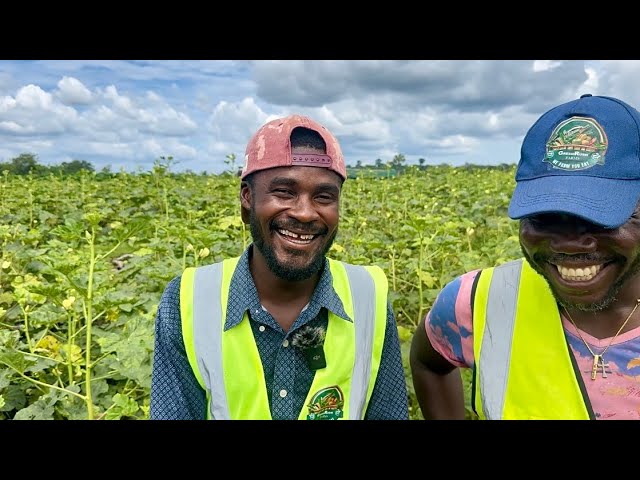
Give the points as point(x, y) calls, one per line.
point(177, 395)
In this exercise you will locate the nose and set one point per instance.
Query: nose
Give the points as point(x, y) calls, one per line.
point(304, 209)
point(572, 236)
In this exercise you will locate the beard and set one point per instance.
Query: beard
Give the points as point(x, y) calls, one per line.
point(288, 272)
point(598, 306)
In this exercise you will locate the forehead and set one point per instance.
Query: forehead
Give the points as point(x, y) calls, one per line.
point(307, 176)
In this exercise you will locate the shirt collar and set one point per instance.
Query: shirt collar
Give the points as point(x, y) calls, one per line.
point(246, 295)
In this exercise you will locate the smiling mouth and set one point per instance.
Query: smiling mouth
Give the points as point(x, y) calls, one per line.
point(582, 274)
point(301, 239)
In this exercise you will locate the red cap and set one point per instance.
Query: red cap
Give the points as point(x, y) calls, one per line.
point(271, 147)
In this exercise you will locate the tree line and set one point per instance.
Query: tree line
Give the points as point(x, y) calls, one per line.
point(26, 163)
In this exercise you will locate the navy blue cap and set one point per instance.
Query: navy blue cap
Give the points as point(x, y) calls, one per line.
point(581, 158)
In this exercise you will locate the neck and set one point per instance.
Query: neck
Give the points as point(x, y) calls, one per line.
point(606, 323)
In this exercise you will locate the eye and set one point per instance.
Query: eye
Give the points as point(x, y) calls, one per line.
point(542, 222)
point(536, 221)
point(325, 198)
point(282, 192)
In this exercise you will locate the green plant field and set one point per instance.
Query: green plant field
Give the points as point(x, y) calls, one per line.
point(84, 260)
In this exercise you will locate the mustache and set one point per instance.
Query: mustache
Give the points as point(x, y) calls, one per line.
point(294, 225)
point(562, 258)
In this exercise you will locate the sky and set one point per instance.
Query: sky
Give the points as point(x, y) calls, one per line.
point(128, 114)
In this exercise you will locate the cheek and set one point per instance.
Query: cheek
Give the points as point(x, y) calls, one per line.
point(331, 217)
point(530, 235)
point(527, 235)
point(266, 208)
point(630, 241)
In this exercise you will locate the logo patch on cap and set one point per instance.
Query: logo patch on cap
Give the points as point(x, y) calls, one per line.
point(577, 144)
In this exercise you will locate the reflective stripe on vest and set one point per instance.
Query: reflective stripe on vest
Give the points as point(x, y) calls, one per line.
point(495, 353)
point(363, 297)
point(363, 291)
point(524, 369)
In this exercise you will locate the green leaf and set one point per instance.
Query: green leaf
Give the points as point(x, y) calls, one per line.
point(125, 406)
point(404, 333)
point(71, 407)
point(426, 278)
point(5, 378)
point(14, 398)
point(125, 307)
point(40, 365)
point(99, 388)
point(9, 339)
point(16, 360)
point(41, 409)
point(231, 221)
point(6, 298)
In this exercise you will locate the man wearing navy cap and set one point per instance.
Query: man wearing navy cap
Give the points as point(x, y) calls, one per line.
point(555, 334)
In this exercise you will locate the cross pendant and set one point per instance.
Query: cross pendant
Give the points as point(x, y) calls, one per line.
point(599, 363)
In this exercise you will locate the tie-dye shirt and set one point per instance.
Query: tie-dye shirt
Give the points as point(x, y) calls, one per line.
point(616, 397)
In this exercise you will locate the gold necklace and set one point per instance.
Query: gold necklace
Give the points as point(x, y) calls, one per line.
point(598, 359)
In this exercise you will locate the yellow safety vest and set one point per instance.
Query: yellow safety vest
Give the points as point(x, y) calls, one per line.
point(523, 366)
point(227, 363)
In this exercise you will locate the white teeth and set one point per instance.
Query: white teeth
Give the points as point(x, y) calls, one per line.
point(579, 274)
point(295, 235)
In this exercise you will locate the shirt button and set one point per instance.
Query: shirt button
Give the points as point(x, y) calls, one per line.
point(285, 344)
point(261, 328)
point(283, 393)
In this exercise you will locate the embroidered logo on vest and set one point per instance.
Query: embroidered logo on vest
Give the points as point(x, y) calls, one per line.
point(577, 144)
point(327, 404)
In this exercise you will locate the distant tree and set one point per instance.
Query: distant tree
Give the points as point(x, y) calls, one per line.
point(359, 164)
point(421, 162)
point(24, 163)
point(379, 163)
point(105, 172)
point(398, 161)
point(74, 166)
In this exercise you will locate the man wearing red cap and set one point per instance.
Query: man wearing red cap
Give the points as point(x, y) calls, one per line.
point(282, 331)
point(555, 334)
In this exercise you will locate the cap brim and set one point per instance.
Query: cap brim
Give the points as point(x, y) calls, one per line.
point(603, 201)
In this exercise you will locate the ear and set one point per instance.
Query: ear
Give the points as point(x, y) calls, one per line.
point(245, 201)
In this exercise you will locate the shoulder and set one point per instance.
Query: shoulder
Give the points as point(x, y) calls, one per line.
point(454, 300)
point(374, 270)
point(168, 313)
point(460, 284)
point(172, 289)
point(365, 276)
point(506, 274)
point(225, 268)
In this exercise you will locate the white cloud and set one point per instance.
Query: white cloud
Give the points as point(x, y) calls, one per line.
point(544, 65)
point(34, 98)
point(12, 127)
point(72, 92)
